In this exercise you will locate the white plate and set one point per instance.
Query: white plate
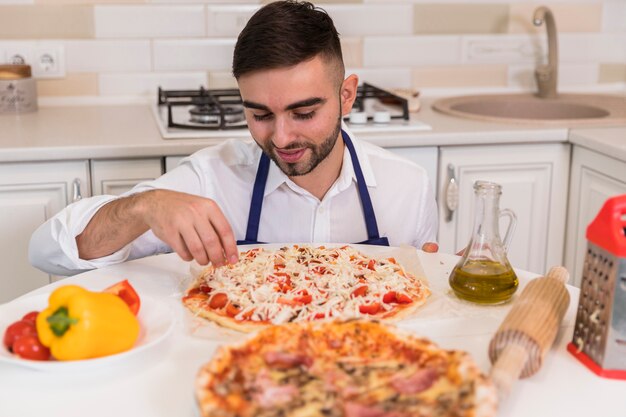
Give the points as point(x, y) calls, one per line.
point(155, 317)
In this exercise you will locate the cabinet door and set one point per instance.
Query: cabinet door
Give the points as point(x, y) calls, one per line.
point(116, 176)
point(172, 162)
point(595, 178)
point(534, 186)
point(31, 193)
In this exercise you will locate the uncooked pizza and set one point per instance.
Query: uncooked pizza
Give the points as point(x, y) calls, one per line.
point(304, 283)
point(342, 369)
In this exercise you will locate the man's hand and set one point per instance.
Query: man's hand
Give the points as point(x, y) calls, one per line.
point(194, 227)
point(430, 247)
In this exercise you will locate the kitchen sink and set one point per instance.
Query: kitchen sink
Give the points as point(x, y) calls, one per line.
point(568, 109)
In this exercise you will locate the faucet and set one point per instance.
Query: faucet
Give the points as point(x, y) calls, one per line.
point(546, 75)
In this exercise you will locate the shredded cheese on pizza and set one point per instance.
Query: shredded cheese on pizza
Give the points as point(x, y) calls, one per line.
point(302, 283)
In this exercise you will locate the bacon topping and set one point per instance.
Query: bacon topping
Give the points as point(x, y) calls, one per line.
point(416, 383)
point(286, 359)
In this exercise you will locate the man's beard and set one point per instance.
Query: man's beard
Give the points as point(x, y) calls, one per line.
point(318, 154)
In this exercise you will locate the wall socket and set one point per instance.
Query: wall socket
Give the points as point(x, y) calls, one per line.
point(47, 60)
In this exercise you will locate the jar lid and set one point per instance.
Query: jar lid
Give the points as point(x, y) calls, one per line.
point(14, 72)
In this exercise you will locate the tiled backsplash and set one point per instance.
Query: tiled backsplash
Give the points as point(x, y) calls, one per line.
point(129, 47)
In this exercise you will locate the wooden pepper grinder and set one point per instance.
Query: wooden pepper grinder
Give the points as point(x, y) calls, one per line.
point(519, 345)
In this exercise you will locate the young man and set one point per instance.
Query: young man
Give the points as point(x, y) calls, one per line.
point(308, 180)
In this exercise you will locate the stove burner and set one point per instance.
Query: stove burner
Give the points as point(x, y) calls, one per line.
point(210, 114)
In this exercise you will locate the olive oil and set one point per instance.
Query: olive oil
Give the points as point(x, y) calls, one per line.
point(484, 281)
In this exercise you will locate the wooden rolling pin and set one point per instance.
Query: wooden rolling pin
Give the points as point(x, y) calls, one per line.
point(519, 345)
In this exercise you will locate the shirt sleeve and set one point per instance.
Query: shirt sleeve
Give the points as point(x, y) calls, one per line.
point(53, 248)
point(428, 224)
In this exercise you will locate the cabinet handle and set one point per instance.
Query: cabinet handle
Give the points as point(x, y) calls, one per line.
point(451, 194)
point(76, 195)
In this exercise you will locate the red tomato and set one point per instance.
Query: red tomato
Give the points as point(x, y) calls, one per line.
point(390, 297)
point(303, 299)
point(32, 316)
point(18, 330)
point(218, 300)
point(403, 299)
point(126, 292)
point(371, 265)
point(29, 347)
point(370, 308)
point(232, 310)
point(360, 291)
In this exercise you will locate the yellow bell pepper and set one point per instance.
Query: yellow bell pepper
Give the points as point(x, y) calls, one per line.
point(80, 324)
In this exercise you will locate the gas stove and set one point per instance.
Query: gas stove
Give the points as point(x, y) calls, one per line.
point(204, 113)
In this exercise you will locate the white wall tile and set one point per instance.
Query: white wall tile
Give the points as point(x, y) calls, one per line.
point(407, 51)
point(193, 54)
point(503, 49)
point(383, 77)
point(361, 20)
point(228, 20)
point(107, 56)
point(614, 16)
point(149, 21)
point(523, 75)
point(597, 47)
point(146, 84)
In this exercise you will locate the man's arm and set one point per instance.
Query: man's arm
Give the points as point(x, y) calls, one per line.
point(194, 227)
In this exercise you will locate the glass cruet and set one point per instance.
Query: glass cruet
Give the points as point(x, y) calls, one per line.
point(484, 274)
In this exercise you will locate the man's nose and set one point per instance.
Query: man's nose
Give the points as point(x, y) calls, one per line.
point(283, 132)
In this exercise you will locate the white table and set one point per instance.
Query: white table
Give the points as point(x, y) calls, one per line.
point(160, 382)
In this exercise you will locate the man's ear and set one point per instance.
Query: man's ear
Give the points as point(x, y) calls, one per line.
point(348, 93)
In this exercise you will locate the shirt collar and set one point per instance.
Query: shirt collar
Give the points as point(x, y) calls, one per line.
point(276, 177)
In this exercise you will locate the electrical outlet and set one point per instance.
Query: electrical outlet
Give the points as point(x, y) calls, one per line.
point(18, 55)
point(47, 60)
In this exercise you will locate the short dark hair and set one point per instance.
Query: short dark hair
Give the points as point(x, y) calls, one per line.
point(283, 34)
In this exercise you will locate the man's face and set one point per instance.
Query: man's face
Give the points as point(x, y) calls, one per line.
point(294, 114)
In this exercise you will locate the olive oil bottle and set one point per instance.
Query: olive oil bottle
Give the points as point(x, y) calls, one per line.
point(485, 282)
point(484, 274)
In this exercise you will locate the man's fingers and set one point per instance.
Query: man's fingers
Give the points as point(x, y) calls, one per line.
point(195, 245)
point(430, 247)
point(178, 245)
point(211, 243)
point(225, 234)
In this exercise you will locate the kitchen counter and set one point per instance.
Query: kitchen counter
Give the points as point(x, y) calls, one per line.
point(158, 380)
point(130, 131)
point(127, 131)
point(609, 141)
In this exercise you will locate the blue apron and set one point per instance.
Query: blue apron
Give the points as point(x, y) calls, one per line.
point(256, 204)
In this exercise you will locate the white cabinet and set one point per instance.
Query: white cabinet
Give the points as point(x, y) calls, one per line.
point(172, 162)
point(594, 178)
point(534, 185)
point(30, 193)
point(116, 176)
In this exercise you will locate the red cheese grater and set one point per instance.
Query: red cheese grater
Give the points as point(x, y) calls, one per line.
point(599, 339)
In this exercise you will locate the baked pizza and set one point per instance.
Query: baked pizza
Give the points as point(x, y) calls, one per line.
point(303, 283)
point(356, 368)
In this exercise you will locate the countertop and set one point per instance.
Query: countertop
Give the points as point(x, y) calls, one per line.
point(130, 131)
point(609, 141)
point(159, 380)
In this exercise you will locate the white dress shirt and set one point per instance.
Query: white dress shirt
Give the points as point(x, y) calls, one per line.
point(400, 190)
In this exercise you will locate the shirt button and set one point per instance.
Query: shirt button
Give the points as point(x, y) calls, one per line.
point(320, 210)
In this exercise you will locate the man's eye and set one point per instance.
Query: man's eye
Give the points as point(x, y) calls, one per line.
point(304, 116)
point(262, 117)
